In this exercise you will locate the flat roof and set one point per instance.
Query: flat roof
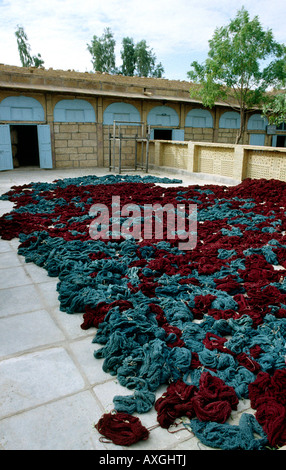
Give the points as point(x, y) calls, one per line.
point(95, 84)
point(89, 92)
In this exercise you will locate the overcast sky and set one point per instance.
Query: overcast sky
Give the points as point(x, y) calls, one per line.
point(178, 31)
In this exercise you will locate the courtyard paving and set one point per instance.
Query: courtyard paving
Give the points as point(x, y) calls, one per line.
point(52, 389)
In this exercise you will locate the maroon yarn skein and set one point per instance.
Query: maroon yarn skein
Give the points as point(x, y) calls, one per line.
point(122, 428)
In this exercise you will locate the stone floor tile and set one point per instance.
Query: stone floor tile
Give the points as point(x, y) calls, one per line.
point(36, 378)
point(28, 330)
point(9, 259)
point(66, 424)
point(13, 277)
point(105, 393)
point(83, 350)
point(49, 293)
point(4, 246)
point(19, 300)
point(36, 273)
point(70, 323)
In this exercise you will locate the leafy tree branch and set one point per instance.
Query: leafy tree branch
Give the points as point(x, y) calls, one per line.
point(24, 49)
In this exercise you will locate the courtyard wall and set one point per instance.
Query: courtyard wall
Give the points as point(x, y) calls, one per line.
point(236, 162)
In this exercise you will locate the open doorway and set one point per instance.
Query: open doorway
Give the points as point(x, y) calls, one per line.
point(281, 141)
point(25, 147)
point(163, 134)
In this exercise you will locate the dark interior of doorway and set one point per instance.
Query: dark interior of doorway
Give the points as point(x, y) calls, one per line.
point(25, 148)
point(281, 141)
point(163, 134)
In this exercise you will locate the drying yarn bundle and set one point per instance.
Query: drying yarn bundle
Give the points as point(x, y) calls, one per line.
point(122, 429)
point(208, 323)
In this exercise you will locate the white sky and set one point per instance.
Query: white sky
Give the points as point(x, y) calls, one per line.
point(178, 31)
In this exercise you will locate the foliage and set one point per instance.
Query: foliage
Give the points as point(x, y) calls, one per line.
point(146, 61)
point(274, 108)
point(24, 50)
point(103, 52)
point(128, 57)
point(137, 59)
point(232, 72)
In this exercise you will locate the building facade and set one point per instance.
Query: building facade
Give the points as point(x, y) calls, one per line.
point(65, 119)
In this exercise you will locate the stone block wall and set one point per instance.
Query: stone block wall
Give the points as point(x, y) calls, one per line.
point(75, 145)
point(228, 136)
point(199, 134)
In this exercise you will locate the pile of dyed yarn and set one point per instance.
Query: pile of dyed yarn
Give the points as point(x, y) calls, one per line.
point(209, 323)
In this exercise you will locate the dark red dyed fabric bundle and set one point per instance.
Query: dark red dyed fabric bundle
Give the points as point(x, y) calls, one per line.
point(268, 396)
point(218, 411)
point(213, 388)
point(175, 402)
point(271, 415)
point(213, 401)
point(202, 305)
point(268, 386)
point(213, 341)
point(122, 428)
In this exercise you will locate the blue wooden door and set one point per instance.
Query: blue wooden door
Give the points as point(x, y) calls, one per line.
point(178, 134)
point(6, 159)
point(45, 146)
point(257, 139)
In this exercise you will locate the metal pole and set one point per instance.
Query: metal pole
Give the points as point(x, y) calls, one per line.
point(119, 163)
point(136, 151)
point(114, 130)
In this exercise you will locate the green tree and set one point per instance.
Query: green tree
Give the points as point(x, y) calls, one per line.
point(275, 105)
point(275, 109)
point(232, 72)
point(137, 59)
point(103, 52)
point(158, 71)
point(128, 57)
point(146, 61)
point(24, 50)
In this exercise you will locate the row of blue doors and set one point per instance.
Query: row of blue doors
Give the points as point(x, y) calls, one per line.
point(44, 147)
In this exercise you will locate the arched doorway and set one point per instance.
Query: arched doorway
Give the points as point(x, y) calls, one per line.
point(25, 140)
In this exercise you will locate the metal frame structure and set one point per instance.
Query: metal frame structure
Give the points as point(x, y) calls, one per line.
point(116, 137)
